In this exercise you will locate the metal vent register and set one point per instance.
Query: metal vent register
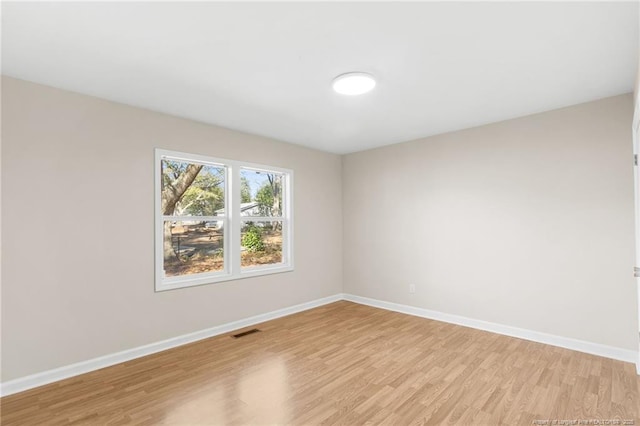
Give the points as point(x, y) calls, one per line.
point(245, 333)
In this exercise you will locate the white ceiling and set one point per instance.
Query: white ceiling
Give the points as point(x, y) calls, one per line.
point(266, 68)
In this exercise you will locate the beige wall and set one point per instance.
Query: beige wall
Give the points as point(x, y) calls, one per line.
point(637, 85)
point(527, 223)
point(77, 222)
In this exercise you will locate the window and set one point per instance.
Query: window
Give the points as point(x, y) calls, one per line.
point(219, 220)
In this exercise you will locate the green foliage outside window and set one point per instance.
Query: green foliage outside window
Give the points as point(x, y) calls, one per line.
point(252, 239)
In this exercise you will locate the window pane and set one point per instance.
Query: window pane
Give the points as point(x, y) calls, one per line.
point(261, 193)
point(261, 243)
point(191, 189)
point(193, 247)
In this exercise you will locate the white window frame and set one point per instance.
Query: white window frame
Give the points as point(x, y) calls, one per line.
point(233, 222)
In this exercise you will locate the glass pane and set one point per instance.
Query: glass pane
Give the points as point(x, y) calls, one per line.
point(261, 243)
point(261, 193)
point(190, 189)
point(193, 247)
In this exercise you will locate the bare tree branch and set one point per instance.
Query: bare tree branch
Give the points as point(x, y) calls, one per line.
point(172, 193)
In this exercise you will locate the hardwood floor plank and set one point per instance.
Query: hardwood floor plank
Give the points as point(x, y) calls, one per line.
point(342, 364)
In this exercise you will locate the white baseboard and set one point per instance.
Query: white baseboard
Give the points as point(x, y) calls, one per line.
point(50, 376)
point(521, 333)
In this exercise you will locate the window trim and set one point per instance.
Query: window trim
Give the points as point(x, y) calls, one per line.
point(232, 223)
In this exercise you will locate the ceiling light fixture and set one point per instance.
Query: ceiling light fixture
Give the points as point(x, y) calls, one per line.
point(354, 83)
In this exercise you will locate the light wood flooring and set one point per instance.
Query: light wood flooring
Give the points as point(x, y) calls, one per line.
point(346, 364)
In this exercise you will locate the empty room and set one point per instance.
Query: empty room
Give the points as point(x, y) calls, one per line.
point(304, 213)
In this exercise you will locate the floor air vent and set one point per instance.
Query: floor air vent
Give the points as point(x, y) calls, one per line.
point(245, 333)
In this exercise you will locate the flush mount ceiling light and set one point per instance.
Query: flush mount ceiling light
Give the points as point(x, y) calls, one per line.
point(354, 83)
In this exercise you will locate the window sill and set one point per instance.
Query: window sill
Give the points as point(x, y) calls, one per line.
point(198, 281)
